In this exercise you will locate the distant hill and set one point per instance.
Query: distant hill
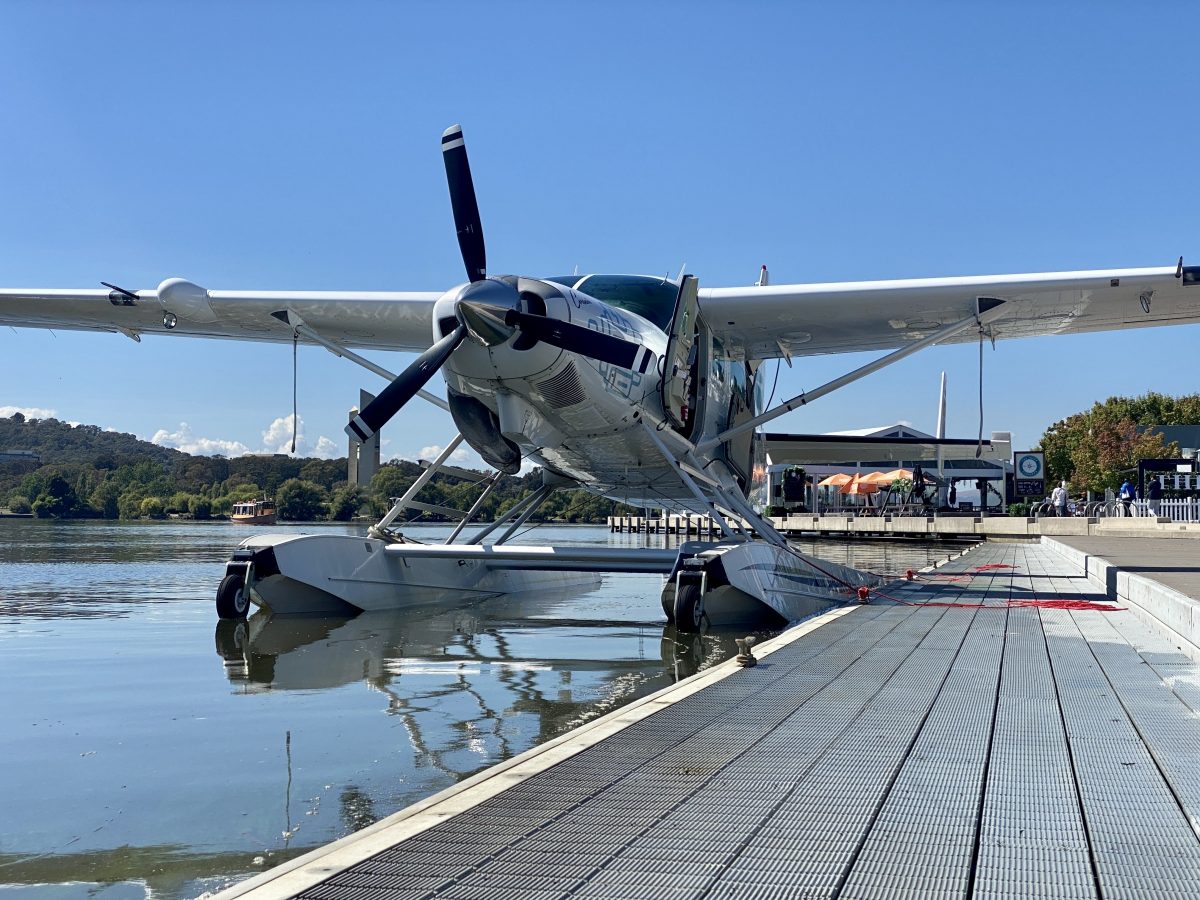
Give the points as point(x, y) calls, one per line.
point(58, 443)
point(77, 449)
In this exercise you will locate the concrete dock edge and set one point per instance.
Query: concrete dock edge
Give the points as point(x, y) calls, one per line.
point(1157, 604)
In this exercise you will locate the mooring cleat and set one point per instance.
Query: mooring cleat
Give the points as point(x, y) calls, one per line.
point(745, 657)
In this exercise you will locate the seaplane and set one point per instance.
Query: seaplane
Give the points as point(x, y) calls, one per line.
point(644, 389)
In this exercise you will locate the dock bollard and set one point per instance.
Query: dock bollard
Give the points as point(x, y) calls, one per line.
point(745, 657)
point(864, 595)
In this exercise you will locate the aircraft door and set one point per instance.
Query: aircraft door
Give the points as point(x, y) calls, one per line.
point(680, 365)
point(740, 449)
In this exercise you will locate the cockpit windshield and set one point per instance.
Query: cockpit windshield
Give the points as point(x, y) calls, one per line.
point(651, 298)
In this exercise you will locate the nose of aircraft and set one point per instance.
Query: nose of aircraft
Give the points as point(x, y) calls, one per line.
point(482, 306)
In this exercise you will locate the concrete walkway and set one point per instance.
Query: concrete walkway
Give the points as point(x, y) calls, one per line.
point(1171, 562)
point(958, 742)
point(1157, 578)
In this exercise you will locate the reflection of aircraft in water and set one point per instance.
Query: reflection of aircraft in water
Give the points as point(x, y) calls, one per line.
point(464, 653)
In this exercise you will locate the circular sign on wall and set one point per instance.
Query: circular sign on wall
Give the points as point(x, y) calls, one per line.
point(1029, 465)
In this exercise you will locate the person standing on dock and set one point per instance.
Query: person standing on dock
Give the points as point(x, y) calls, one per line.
point(1128, 495)
point(1154, 495)
point(1058, 497)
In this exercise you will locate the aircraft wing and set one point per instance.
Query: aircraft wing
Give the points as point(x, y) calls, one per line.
point(379, 320)
point(810, 319)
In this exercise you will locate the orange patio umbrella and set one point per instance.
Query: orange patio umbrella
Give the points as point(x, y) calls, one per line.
point(858, 486)
point(836, 480)
point(883, 479)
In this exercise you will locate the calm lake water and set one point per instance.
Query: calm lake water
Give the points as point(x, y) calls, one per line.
point(146, 748)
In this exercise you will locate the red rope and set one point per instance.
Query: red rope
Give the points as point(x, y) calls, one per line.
point(1036, 603)
point(1040, 603)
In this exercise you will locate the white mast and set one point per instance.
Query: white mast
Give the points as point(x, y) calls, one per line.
point(941, 434)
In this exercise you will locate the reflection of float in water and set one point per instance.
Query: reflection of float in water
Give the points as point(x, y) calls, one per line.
point(302, 652)
point(473, 685)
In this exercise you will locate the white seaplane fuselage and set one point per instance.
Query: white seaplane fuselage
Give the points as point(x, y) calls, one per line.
point(589, 423)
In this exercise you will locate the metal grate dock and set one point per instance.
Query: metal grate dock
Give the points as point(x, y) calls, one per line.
point(949, 745)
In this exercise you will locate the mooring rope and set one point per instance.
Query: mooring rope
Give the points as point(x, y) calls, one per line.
point(864, 593)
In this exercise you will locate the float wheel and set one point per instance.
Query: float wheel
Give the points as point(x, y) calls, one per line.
point(233, 600)
point(689, 606)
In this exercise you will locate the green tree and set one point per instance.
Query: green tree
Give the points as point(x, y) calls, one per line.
point(299, 500)
point(129, 504)
point(57, 500)
point(1097, 449)
point(153, 508)
point(104, 498)
point(344, 503)
point(390, 481)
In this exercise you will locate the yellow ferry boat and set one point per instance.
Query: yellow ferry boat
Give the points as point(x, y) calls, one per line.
point(254, 512)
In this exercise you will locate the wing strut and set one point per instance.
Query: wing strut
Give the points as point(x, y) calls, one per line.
point(299, 327)
point(987, 310)
point(687, 479)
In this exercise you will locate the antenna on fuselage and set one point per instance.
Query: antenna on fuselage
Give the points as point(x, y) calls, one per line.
point(763, 278)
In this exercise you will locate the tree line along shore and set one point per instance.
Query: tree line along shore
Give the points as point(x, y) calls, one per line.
point(83, 471)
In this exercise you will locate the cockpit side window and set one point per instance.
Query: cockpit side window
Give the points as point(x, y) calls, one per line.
point(651, 298)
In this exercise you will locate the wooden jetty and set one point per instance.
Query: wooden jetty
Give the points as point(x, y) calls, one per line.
point(997, 727)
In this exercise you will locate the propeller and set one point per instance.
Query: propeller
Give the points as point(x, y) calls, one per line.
point(487, 310)
point(462, 200)
point(584, 341)
point(390, 400)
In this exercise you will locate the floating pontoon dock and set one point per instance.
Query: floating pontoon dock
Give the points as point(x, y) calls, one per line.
point(997, 728)
point(920, 527)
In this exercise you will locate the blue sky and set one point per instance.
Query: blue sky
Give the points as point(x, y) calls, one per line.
point(296, 145)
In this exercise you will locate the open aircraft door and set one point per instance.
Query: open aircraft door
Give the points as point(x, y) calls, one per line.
point(680, 364)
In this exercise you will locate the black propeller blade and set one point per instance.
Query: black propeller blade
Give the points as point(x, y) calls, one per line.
point(462, 200)
point(119, 296)
point(405, 387)
point(584, 341)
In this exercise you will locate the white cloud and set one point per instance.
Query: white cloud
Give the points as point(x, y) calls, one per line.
point(276, 438)
point(327, 449)
point(433, 451)
point(29, 412)
point(184, 440)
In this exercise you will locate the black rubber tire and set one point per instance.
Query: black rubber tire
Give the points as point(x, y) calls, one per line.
point(689, 606)
point(233, 601)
